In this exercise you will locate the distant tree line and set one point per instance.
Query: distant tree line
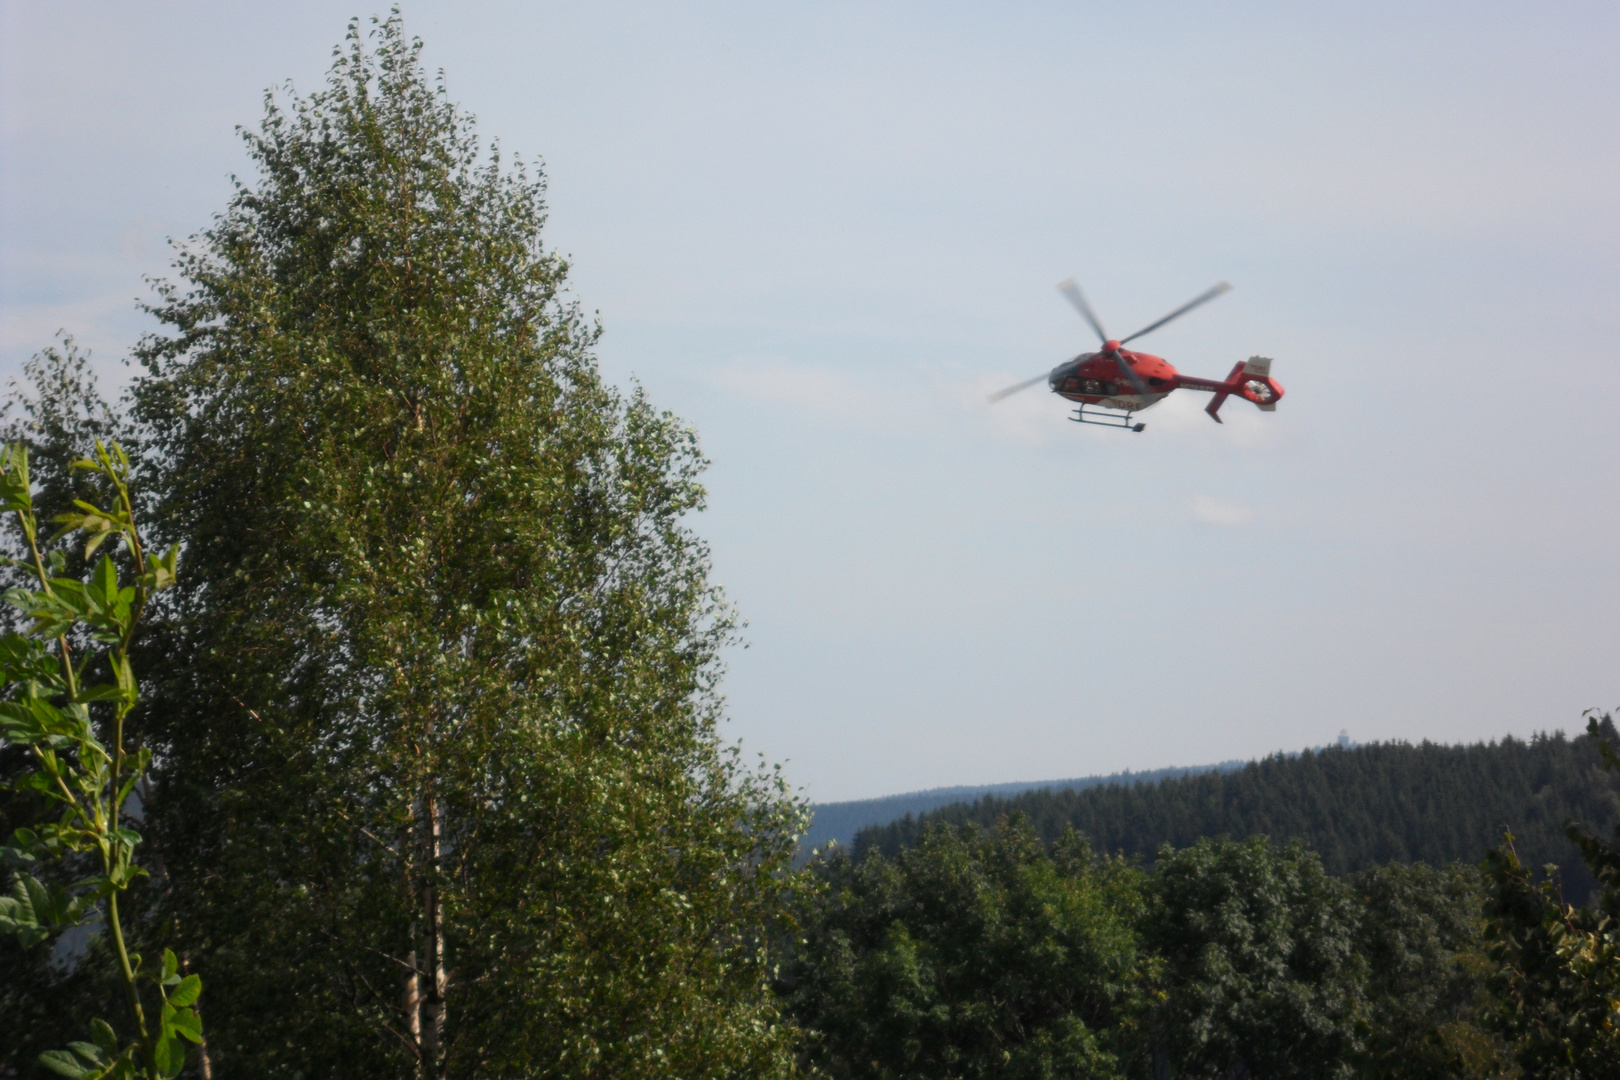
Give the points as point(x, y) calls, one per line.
point(840, 821)
point(1357, 808)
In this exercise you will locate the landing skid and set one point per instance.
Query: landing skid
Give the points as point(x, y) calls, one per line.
point(1105, 419)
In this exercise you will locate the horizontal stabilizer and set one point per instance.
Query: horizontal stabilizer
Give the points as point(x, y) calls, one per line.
point(1251, 380)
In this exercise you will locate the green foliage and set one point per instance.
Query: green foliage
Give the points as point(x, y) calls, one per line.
point(1421, 940)
point(1558, 976)
point(1602, 857)
point(57, 413)
point(1533, 988)
point(978, 954)
point(77, 631)
point(441, 790)
point(1261, 975)
point(1357, 808)
point(50, 993)
point(970, 956)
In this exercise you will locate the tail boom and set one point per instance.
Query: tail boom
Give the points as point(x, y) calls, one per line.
point(1250, 379)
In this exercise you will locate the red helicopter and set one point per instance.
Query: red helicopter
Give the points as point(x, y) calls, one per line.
point(1120, 379)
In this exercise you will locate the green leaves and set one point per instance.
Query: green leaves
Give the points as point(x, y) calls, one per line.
point(160, 571)
point(169, 1056)
point(1260, 956)
point(66, 1063)
point(26, 660)
point(1558, 966)
point(97, 525)
point(100, 603)
point(180, 992)
point(98, 1060)
point(970, 955)
point(178, 1020)
point(91, 775)
point(35, 910)
point(33, 720)
point(16, 493)
point(429, 550)
point(186, 992)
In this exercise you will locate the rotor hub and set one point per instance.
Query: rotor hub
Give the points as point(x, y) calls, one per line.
point(1110, 346)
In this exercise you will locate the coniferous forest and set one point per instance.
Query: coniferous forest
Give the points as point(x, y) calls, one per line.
point(359, 718)
point(1357, 808)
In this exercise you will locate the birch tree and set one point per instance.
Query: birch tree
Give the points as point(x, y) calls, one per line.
point(440, 783)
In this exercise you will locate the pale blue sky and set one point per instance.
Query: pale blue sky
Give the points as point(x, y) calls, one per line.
point(823, 231)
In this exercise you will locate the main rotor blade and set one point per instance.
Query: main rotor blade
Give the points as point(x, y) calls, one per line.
point(1011, 390)
point(1130, 373)
point(1071, 289)
point(1202, 298)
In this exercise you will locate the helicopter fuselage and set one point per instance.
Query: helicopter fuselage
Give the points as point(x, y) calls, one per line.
point(1094, 378)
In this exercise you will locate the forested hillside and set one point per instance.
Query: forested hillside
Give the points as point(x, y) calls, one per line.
point(841, 821)
point(1357, 808)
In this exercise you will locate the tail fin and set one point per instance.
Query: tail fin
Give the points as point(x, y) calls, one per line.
point(1252, 380)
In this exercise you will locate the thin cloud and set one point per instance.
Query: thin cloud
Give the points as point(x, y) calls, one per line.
point(1228, 515)
point(824, 392)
